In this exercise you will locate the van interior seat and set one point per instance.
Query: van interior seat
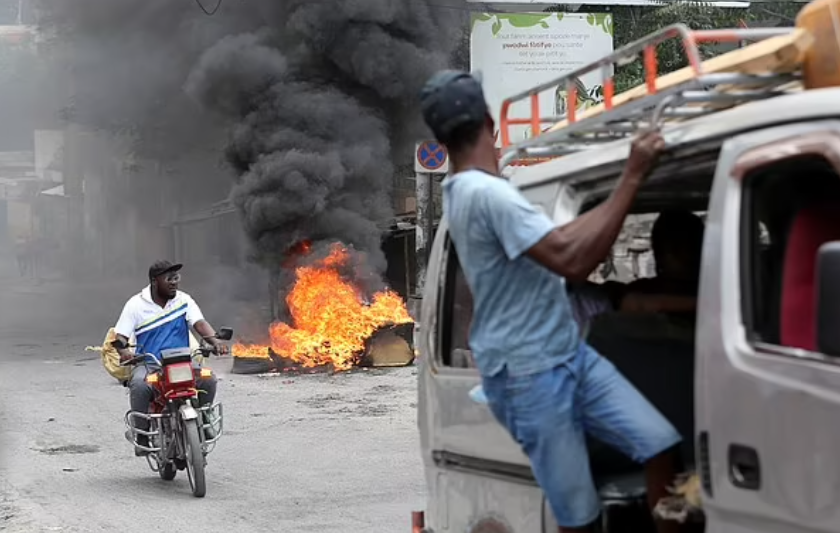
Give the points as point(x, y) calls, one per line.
point(656, 354)
point(812, 226)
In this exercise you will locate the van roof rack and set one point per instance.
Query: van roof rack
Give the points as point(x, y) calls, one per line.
point(755, 72)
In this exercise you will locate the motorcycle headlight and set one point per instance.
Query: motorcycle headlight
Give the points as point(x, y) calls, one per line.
point(179, 373)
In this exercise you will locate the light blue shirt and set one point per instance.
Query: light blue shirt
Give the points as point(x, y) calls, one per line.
point(522, 319)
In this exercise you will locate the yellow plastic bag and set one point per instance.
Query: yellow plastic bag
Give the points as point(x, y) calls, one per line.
point(111, 359)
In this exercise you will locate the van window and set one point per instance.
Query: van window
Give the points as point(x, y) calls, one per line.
point(457, 303)
point(789, 209)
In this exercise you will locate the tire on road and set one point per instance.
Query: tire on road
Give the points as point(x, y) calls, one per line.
point(195, 458)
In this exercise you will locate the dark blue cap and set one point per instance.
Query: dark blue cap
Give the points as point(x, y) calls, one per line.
point(160, 268)
point(451, 99)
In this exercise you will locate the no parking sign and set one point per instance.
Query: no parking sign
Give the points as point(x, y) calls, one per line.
point(430, 157)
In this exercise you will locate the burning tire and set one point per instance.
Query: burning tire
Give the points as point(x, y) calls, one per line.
point(252, 365)
point(333, 325)
point(389, 346)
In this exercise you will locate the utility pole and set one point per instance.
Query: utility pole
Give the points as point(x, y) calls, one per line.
point(73, 177)
point(430, 160)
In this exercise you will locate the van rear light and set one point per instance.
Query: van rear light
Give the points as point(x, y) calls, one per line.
point(180, 373)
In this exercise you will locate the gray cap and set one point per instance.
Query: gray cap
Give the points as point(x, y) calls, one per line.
point(451, 99)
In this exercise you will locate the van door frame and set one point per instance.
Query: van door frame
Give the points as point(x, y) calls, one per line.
point(781, 403)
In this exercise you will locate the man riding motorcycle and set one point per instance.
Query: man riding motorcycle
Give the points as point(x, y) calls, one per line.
point(159, 317)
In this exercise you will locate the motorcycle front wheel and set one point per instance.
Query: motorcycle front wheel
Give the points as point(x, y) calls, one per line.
point(195, 458)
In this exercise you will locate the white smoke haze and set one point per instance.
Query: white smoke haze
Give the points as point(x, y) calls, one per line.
point(312, 103)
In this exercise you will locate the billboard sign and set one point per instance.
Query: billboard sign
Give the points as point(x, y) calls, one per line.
point(517, 51)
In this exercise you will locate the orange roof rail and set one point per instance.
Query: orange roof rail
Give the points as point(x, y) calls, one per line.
point(619, 117)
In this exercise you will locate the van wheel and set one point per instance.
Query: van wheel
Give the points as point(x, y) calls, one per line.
point(490, 525)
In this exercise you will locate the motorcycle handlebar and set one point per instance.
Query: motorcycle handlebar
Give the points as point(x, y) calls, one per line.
point(137, 359)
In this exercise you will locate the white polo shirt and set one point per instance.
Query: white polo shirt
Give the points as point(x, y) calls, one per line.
point(158, 328)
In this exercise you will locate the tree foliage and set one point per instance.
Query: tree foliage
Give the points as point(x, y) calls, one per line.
point(634, 22)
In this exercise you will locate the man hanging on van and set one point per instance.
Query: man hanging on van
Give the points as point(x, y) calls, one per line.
point(542, 382)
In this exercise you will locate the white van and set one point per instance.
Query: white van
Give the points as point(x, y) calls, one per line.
point(754, 387)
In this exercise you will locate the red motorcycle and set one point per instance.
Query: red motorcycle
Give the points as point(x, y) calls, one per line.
point(178, 426)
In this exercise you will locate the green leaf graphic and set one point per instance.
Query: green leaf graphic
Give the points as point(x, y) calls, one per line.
point(497, 26)
point(601, 20)
point(605, 21)
point(479, 17)
point(517, 20)
point(525, 20)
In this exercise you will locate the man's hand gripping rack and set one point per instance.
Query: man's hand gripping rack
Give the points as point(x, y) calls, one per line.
point(701, 94)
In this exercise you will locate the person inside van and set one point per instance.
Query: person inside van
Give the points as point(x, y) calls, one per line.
point(543, 384)
point(677, 244)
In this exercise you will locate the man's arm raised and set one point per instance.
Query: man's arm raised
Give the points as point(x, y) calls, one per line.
point(576, 249)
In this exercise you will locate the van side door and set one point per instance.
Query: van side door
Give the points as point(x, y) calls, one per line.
point(768, 401)
point(460, 428)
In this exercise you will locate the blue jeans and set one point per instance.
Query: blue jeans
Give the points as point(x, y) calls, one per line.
point(550, 412)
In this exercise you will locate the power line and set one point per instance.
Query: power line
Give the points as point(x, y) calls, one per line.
point(206, 12)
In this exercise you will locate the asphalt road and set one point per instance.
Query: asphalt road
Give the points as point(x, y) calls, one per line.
point(306, 453)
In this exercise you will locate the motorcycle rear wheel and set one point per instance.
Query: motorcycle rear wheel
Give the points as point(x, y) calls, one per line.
point(195, 458)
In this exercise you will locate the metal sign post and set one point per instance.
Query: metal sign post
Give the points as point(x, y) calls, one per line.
point(422, 235)
point(430, 159)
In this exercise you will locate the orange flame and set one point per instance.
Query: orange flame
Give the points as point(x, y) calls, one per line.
point(330, 319)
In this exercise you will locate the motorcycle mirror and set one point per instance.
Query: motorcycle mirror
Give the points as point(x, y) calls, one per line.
point(225, 334)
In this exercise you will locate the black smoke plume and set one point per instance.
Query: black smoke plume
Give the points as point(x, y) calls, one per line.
point(311, 103)
point(324, 99)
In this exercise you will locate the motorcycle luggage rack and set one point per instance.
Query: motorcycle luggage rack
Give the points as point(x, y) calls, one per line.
point(700, 95)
